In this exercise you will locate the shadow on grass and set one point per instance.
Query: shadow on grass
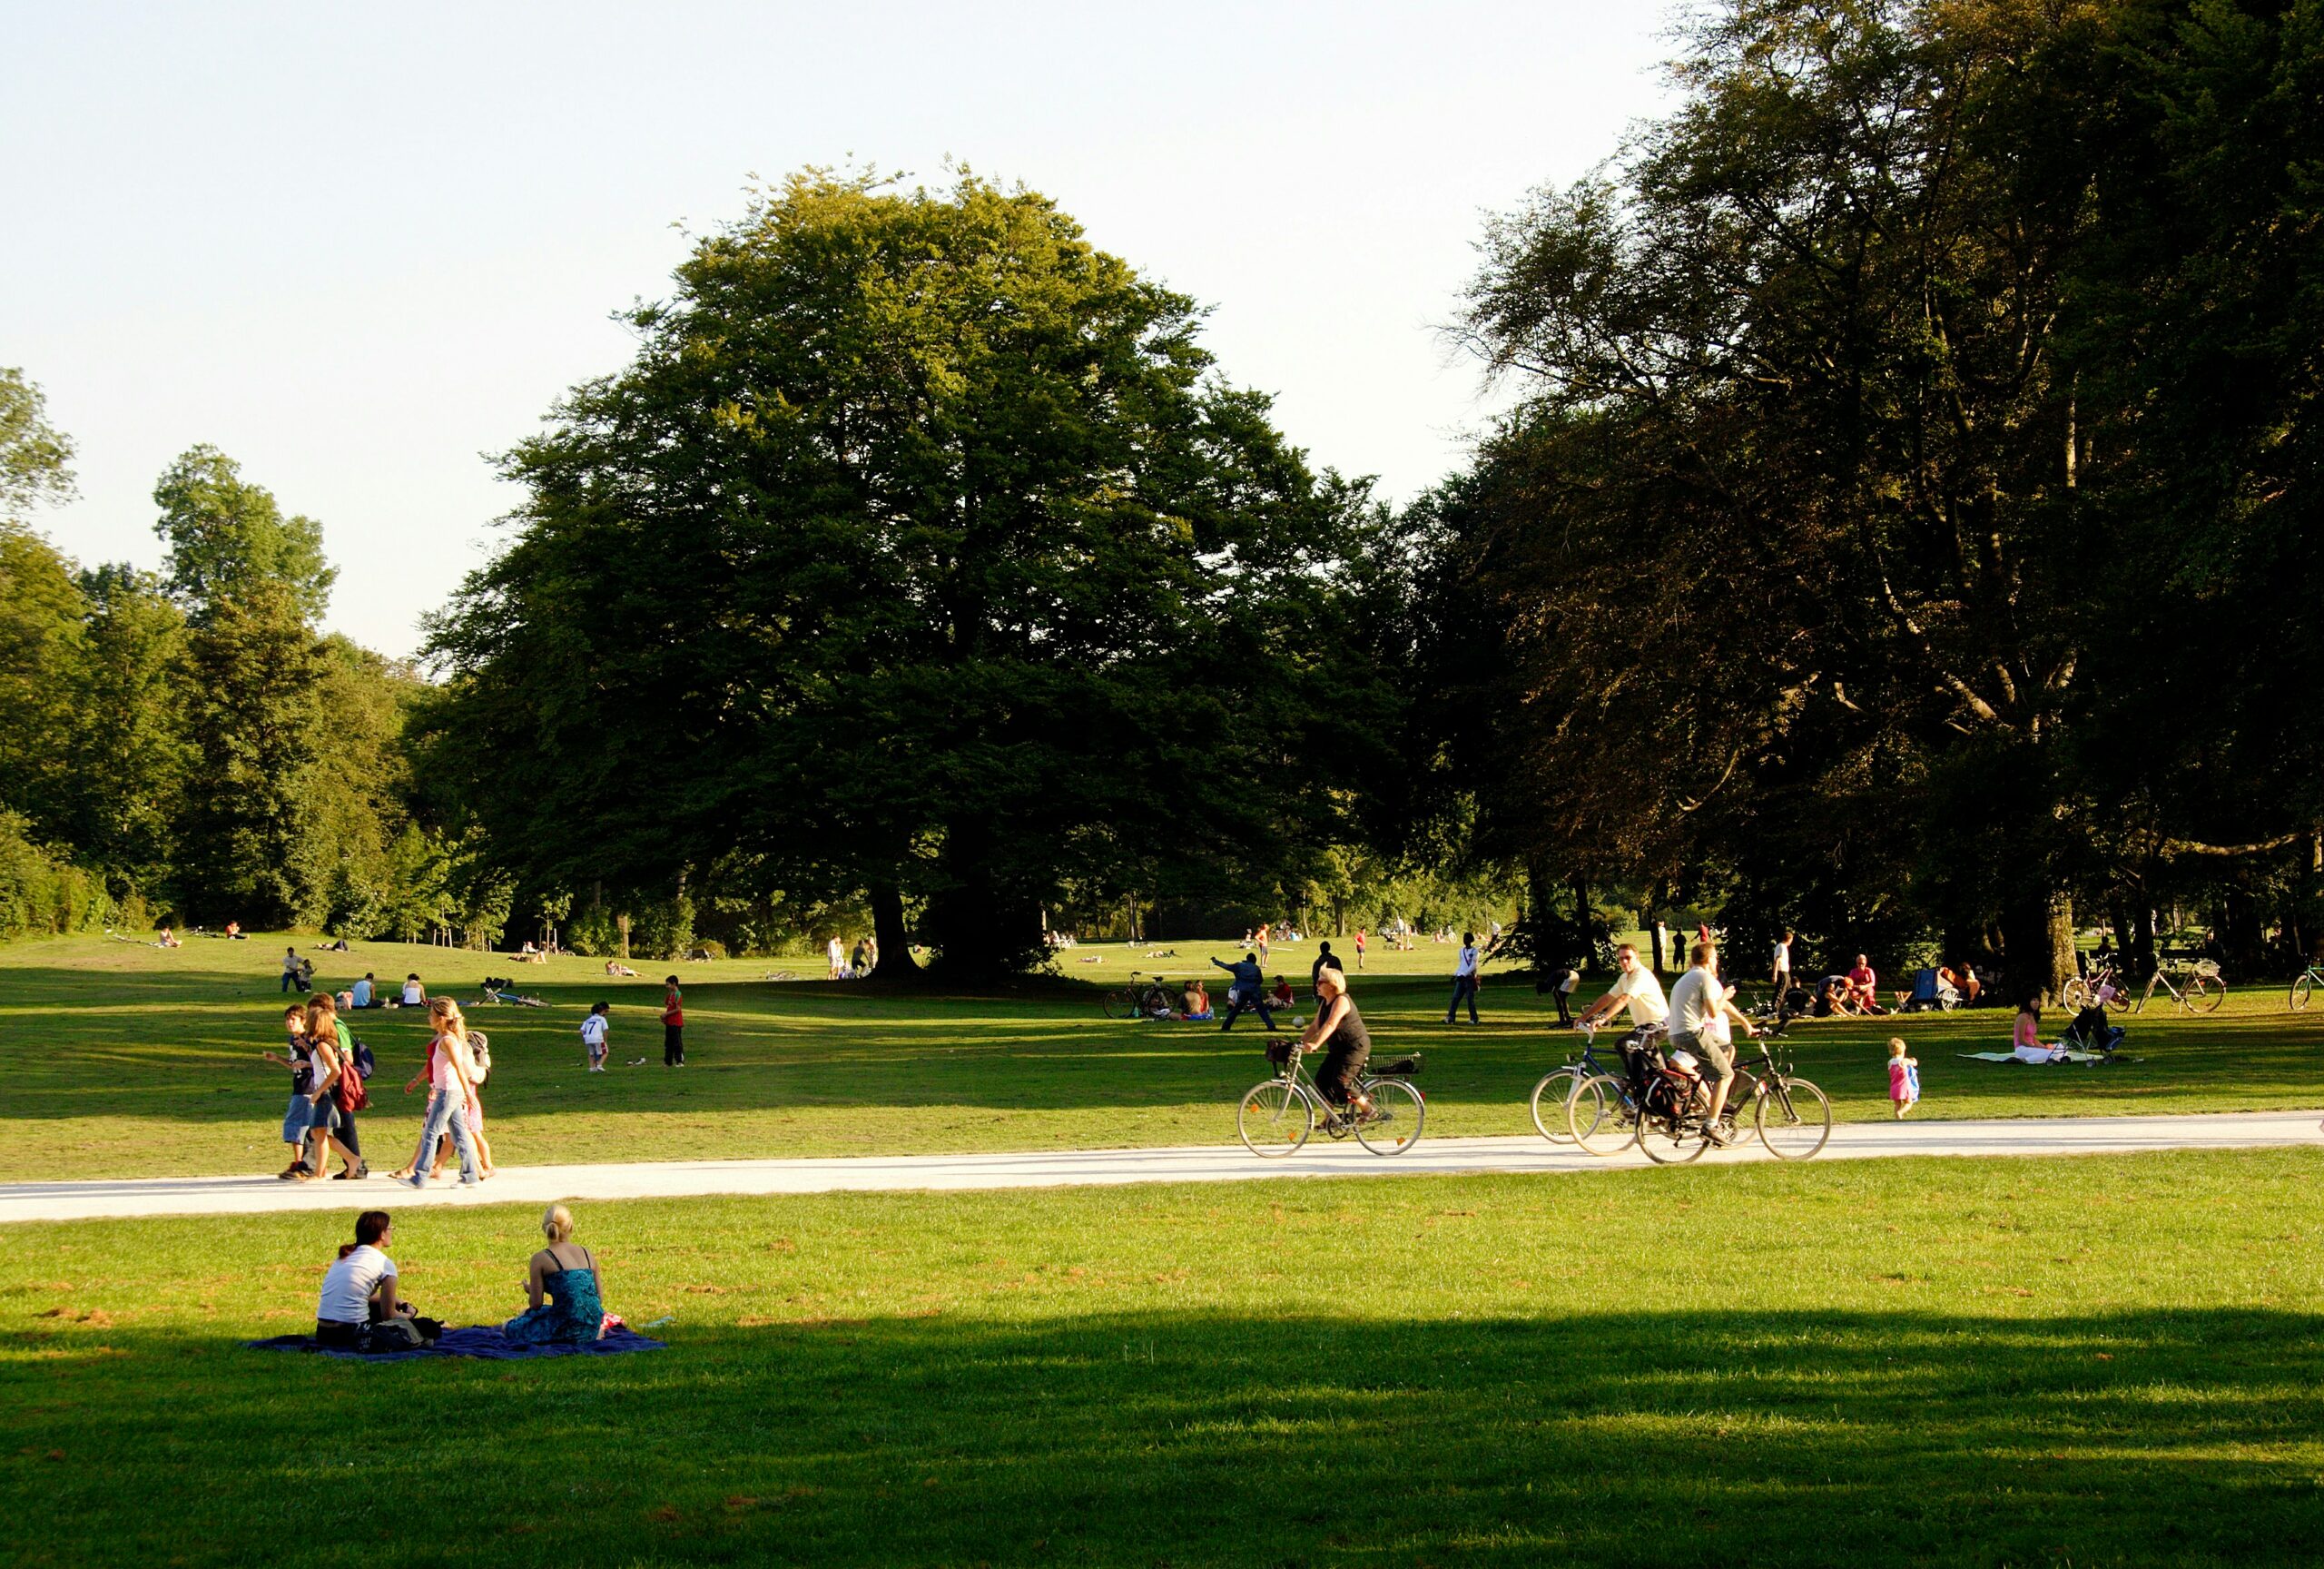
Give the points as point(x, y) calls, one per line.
point(1625, 1437)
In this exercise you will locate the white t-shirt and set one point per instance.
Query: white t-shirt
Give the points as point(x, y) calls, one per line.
point(1694, 1001)
point(348, 1287)
point(411, 998)
point(1783, 957)
point(593, 1030)
point(1468, 966)
point(1643, 994)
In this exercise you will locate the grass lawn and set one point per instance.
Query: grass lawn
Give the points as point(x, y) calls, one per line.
point(118, 1059)
point(2096, 1361)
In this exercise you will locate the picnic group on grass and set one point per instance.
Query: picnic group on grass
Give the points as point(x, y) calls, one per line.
point(362, 1308)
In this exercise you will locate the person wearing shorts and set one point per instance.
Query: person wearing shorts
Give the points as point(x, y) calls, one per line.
point(1698, 1005)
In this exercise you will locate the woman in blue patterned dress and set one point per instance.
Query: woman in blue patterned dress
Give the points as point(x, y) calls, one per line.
point(568, 1306)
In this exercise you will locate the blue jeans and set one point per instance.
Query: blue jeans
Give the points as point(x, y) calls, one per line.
point(446, 1108)
point(1240, 1003)
point(1465, 990)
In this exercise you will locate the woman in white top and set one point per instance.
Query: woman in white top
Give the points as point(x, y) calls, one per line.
point(360, 1289)
point(415, 995)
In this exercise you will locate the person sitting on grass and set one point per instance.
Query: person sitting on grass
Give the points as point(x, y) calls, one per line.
point(566, 1288)
point(1862, 979)
point(365, 994)
point(359, 1293)
point(1282, 995)
point(1197, 1003)
point(614, 969)
point(2026, 1044)
point(169, 939)
point(415, 995)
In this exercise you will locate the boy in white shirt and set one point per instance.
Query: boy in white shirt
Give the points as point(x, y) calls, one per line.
point(593, 1031)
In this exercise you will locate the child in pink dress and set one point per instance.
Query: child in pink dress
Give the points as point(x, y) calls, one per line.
point(1904, 1079)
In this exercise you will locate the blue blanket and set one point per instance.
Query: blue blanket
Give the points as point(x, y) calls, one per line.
point(482, 1341)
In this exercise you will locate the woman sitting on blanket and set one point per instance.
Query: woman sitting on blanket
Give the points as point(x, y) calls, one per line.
point(2026, 1046)
point(565, 1273)
point(358, 1294)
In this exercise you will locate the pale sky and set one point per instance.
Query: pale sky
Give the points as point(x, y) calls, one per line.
point(358, 250)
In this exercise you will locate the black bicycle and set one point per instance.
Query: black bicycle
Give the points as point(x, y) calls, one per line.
point(1148, 999)
point(1660, 1106)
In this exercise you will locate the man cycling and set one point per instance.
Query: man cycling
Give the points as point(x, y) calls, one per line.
point(1699, 1008)
point(1635, 987)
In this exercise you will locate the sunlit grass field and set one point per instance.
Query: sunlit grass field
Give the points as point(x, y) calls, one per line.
point(118, 1059)
point(2093, 1361)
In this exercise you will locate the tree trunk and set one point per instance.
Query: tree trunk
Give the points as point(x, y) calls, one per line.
point(2037, 948)
point(623, 921)
point(1580, 955)
point(2142, 956)
point(892, 938)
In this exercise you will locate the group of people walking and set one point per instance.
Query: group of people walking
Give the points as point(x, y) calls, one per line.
point(329, 1068)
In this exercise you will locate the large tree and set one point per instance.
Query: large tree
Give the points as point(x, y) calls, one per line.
point(919, 552)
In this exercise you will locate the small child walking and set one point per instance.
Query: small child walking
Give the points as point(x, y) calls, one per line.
point(674, 1026)
point(593, 1031)
point(1904, 1079)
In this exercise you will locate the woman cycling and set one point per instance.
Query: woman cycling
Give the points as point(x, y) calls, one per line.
point(1339, 1030)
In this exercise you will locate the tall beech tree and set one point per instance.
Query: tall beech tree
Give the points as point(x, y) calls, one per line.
point(921, 552)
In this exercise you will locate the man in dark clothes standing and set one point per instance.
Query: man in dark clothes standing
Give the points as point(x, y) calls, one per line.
point(1249, 992)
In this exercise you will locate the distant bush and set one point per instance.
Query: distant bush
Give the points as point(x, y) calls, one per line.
point(41, 893)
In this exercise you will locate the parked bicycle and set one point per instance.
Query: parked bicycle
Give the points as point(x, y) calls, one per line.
point(2310, 982)
point(1276, 1115)
point(2199, 987)
point(1140, 998)
point(2103, 982)
point(1659, 1106)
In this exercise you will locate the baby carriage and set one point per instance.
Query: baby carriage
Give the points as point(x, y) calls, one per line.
point(1931, 992)
point(2091, 1030)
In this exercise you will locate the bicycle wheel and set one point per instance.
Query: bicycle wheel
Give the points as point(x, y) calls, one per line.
point(1397, 1113)
point(2301, 990)
point(2204, 993)
point(1598, 1116)
point(1667, 1141)
point(1798, 1130)
point(1552, 1091)
point(1119, 1005)
point(1274, 1117)
point(2074, 995)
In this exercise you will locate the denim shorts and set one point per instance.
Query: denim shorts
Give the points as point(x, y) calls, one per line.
point(298, 1119)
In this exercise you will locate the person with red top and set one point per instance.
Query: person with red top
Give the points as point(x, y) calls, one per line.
point(1861, 982)
point(674, 1027)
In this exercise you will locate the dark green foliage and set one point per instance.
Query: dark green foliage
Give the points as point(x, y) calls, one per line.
point(918, 552)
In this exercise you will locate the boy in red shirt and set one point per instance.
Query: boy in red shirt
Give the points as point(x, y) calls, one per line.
point(674, 1026)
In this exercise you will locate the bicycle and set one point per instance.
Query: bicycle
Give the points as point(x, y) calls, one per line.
point(1140, 998)
point(1557, 1087)
point(1276, 1115)
point(1654, 1105)
point(2203, 991)
point(2103, 982)
point(2311, 979)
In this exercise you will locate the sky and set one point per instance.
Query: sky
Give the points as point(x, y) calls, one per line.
point(362, 249)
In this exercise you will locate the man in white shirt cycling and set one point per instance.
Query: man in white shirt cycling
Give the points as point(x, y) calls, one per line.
point(1634, 987)
point(1698, 1004)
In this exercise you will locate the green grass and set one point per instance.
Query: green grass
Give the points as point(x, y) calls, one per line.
point(117, 1060)
point(2096, 1361)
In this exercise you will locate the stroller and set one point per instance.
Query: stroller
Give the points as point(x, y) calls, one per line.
point(2092, 1032)
point(1931, 993)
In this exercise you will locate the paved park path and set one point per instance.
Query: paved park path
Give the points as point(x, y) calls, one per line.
point(1105, 1168)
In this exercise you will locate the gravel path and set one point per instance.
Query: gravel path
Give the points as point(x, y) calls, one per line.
point(1208, 1163)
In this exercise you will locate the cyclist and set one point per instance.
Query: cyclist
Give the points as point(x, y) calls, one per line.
point(1635, 987)
point(1339, 1030)
point(1699, 1009)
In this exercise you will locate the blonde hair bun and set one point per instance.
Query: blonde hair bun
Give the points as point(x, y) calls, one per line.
point(556, 1224)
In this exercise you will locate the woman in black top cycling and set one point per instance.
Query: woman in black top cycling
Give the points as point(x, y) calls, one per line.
point(1339, 1030)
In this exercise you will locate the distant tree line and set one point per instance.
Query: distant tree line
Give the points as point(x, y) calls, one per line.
point(1903, 532)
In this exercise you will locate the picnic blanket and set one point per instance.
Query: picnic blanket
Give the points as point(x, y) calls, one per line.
point(2085, 1057)
point(484, 1342)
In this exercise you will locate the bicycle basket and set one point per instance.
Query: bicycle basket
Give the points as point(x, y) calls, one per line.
point(2207, 968)
point(1279, 1051)
point(1402, 1068)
